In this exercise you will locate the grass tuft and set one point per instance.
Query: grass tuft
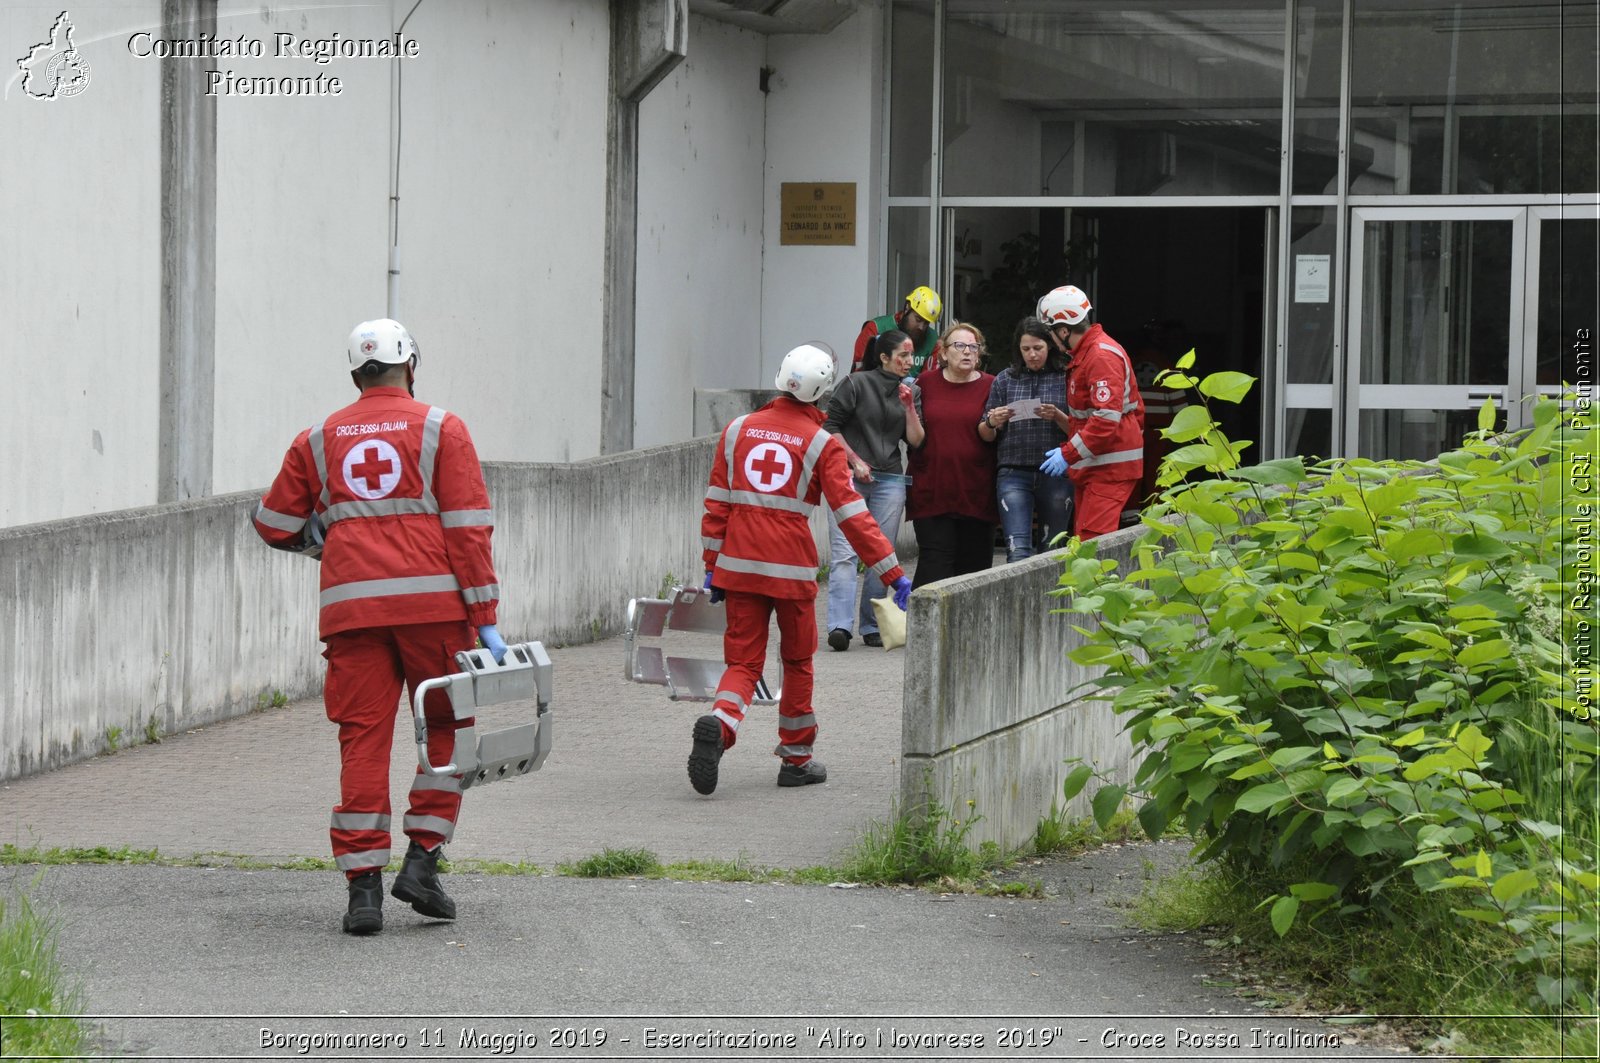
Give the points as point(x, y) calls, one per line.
point(34, 990)
point(614, 863)
point(1432, 964)
point(1058, 834)
point(926, 845)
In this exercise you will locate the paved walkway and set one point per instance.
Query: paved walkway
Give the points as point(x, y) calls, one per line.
point(262, 786)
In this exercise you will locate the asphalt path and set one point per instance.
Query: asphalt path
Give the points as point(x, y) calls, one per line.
point(232, 961)
point(210, 963)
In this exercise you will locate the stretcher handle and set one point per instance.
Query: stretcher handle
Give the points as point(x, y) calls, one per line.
point(417, 698)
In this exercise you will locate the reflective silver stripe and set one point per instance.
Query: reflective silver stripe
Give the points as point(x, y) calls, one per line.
point(436, 824)
point(718, 494)
point(467, 518)
point(708, 543)
point(319, 457)
point(791, 751)
point(359, 821)
point(384, 588)
point(725, 718)
point(479, 595)
point(1116, 457)
point(808, 462)
point(381, 507)
point(766, 568)
point(883, 566)
point(797, 723)
point(756, 498)
point(1127, 375)
point(850, 509)
point(430, 453)
point(357, 861)
point(1073, 411)
point(450, 784)
point(729, 695)
point(281, 521)
point(1077, 444)
point(1114, 416)
point(729, 438)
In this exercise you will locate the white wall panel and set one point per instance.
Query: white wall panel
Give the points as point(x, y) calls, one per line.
point(302, 195)
point(698, 290)
point(79, 271)
point(502, 230)
point(822, 117)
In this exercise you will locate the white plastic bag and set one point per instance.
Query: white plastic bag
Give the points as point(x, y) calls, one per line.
point(891, 622)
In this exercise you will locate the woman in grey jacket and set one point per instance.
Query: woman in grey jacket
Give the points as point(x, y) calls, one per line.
point(873, 411)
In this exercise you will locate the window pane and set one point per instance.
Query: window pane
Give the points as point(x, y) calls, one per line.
point(1567, 325)
point(1417, 435)
point(1319, 33)
point(908, 253)
point(1436, 305)
point(1153, 97)
point(910, 96)
point(1452, 97)
point(1308, 340)
point(1308, 433)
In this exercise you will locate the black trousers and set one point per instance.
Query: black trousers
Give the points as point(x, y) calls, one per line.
point(951, 546)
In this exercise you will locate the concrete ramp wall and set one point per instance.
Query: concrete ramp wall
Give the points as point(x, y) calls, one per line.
point(170, 617)
point(989, 713)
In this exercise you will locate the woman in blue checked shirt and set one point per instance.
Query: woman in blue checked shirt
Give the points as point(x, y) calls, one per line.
point(1026, 414)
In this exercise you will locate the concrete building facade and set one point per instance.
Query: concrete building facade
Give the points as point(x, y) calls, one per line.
point(1385, 209)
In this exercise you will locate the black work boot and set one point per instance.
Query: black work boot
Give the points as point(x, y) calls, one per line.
point(418, 884)
point(805, 774)
point(365, 915)
point(706, 753)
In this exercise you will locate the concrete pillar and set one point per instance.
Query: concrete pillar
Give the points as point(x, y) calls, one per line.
point(648, 39)
point(188, 258)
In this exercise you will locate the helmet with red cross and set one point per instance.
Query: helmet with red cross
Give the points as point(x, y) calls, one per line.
point(385, 341)
point(807, 371)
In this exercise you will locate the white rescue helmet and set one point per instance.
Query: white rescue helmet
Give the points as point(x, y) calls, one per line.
point(384, 340)
point(1065, 305)
point(807, 371)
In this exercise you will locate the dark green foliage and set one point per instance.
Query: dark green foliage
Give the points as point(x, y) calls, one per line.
point(1359, 667)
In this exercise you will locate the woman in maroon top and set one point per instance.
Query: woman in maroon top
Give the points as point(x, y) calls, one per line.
point(951, 502)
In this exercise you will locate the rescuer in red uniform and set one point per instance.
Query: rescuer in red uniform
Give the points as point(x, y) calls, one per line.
point(394, 488)
point(772, 467)
point(1104, 451)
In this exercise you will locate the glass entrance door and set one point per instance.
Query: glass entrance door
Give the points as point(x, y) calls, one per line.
point(1560, 315)
point(1436, 326)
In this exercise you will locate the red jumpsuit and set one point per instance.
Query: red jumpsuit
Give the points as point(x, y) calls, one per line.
point(1105, 442)
point(406, 576)
point(772, 467)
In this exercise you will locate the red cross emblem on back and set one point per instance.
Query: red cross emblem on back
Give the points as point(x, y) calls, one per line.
point(372, 469)
point(768, 467)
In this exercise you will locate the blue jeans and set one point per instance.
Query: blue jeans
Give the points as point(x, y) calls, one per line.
point(886, 501)
point(1020, 493)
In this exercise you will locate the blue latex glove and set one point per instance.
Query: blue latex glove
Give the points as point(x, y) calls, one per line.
point(902, 592)
point(715, 592)
point(489, 635)
point(1055, 463)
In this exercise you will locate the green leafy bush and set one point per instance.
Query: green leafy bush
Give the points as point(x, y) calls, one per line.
point(1357, 667)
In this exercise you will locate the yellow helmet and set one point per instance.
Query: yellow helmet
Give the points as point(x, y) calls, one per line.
point(925, 301)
